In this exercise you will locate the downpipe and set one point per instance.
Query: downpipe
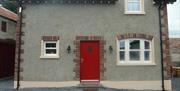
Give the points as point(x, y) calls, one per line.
point(161, 48)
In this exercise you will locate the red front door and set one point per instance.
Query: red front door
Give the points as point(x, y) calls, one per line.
point(89, 60)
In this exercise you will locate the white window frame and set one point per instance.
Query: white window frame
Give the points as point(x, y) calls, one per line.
point(141, 11)
point(127, 61)
point(43, 49)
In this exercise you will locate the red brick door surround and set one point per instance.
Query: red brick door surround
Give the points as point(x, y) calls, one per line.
point(77, 54)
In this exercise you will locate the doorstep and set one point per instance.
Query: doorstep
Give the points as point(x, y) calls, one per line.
point(90, 84)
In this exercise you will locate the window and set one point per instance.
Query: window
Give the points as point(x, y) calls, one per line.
point(134, 51)
point(134, 7)
point(3, 26)
point(50, 49)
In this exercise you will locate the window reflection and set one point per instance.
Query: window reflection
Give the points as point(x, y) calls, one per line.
point(134, 44)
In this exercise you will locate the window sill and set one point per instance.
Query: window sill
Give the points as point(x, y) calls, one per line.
point(135, 64)
point(135, 13)
point(49, 57)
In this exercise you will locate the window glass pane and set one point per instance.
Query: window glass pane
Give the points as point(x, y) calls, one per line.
point(50, 44)
point(50, 51)
point(122, 55)
point(134, 55)
point(133, 6)
point(134, 44)
point(122, 44)
point(147, 46)
point(3, 26)
point(146, 55)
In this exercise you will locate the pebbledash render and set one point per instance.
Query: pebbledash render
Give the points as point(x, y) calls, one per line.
point(108, 43)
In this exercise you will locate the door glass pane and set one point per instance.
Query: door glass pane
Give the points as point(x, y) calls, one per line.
point(50, 51)
point(147, 46)
point(134, 55)
point(122, 55)
point(122, 44)
point(50, 45)
point(134, 44)
point(146, 55)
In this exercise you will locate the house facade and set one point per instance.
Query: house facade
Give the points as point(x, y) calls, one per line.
point(8, 23)
point(112, 43)
point(7, 42)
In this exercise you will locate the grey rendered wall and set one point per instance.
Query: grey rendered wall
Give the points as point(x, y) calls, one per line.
point(69, 21)
point(11, 29)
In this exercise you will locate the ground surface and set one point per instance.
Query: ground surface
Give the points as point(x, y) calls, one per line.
point(7, 85)
point(176, 84)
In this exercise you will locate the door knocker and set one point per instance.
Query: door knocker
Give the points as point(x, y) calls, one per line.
point(90, 49)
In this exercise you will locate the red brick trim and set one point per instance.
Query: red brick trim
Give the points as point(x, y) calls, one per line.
point(165, 39)
point(174, 43)
point(77, 54)
point(134, 35)
point(22, 33)
point(50, 38)
point(22, 42)
point(22, 51)
point(19, 34)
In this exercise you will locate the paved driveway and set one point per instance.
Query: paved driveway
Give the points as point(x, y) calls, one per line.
point(7, 85)
point(72, 89)
point(176, 84)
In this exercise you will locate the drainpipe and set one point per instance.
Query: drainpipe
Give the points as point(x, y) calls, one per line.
point(19, 33)
point(161, 46)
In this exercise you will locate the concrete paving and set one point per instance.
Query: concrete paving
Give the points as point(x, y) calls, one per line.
point(176, 84)
point(73, 89)
point(7, 85)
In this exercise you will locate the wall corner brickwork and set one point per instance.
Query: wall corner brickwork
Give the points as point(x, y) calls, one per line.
point(19, 35)
point(165, 43)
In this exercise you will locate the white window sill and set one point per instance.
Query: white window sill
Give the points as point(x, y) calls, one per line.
point(134, 13)
point(49, 57)
point(135, 64)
